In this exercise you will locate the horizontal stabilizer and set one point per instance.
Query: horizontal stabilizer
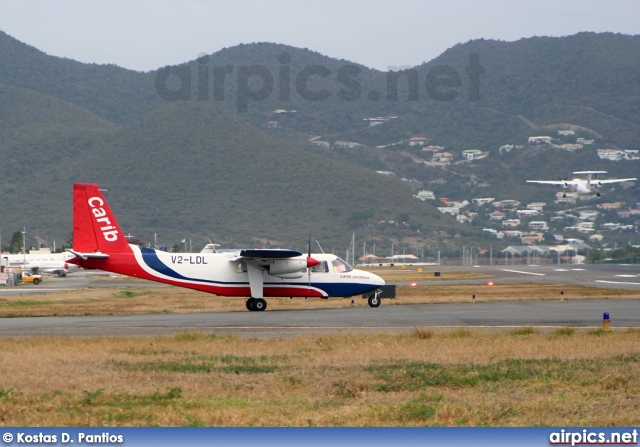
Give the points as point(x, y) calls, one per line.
point(270, 254)
point(95, 255)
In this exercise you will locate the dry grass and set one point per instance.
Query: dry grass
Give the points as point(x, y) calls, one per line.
point(424, 377)
point(456, 378)
point(168, 299)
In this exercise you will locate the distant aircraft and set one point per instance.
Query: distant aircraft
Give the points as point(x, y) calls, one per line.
point(99, 243)
point(56, 263)
point(580, 185)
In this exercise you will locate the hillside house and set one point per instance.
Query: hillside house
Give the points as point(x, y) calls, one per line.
point(496, 215)
point(513, 233)
point(539, 206)
point(417, 141)
point(425, 195)
point(511, 223)
point(624, 214)
point(610, 205)
point(583, 141)
point(566, 132)
point(347, 144)
point(506, 204)
point(482, 201)
point(610, 226)
point(571, 147)
point(442, 158)
point(566, 197)
point(528, 213)
point(538, 225)
point(588, 214)
point(596, 238)
point(616, 154)
point(532, 239)
point(472, 154)
point(439, 181)
point(539, 140)
point(463, 219)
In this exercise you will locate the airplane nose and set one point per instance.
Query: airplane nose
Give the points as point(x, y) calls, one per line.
point(312, 262)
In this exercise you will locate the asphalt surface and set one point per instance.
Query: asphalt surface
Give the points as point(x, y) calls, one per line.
point(624, 313)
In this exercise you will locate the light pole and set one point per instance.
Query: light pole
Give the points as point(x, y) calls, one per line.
point(24, 245)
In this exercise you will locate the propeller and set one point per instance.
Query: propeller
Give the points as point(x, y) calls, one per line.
point(309, 269)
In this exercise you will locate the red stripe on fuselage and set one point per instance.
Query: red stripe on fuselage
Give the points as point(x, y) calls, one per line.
point(126, 264)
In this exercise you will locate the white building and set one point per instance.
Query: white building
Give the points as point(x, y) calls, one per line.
point(538, 225)
point(472, 154)
point(540, 140)
point(425, 195)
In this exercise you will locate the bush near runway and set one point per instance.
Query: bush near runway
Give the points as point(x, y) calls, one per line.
point(450, 378)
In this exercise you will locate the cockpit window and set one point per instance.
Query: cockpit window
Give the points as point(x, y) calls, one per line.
point(340, 266)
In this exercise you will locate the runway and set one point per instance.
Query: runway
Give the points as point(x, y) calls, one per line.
point(624, 313)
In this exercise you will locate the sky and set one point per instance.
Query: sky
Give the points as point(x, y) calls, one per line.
point(147, 34)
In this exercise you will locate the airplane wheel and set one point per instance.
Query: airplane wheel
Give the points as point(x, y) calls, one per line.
point(374, 301)
point(250, 303)
point(259, 304)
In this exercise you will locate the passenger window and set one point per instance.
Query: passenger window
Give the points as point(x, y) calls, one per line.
point(320, 268)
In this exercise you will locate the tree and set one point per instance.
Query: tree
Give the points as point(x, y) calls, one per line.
point(594, 256)
point(16, 242)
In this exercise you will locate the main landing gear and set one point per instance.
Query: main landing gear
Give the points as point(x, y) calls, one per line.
point(256, 304)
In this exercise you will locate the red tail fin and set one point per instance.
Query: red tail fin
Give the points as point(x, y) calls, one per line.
point(94, 226)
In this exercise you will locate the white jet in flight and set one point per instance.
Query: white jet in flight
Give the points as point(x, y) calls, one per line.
point(583, 186)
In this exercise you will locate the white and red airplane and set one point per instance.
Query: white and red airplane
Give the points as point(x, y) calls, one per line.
point(583, 186)
point(99, 243)
point(44, 261)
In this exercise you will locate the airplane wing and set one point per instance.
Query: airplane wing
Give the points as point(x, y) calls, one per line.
point(614, 180)
point(550, 182)
point(269, 254)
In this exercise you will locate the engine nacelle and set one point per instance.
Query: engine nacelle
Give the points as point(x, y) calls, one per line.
point(285, 266)
point(278, 267)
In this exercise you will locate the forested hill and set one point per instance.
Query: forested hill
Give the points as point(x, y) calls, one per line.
point(198, 149)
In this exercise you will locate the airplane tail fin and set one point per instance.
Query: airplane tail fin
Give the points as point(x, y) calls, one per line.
point(95, 228)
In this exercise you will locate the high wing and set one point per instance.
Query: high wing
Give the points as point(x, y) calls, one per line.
point(267, 253)
point(551, 182)
point(614, 180)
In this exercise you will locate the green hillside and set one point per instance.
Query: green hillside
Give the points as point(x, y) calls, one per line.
point(197, 150)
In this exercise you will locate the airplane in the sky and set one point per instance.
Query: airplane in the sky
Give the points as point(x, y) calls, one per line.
point(44, 261)
point(100, 243)
point(581, 185)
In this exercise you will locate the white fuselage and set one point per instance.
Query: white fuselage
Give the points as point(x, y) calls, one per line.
point(44, 262)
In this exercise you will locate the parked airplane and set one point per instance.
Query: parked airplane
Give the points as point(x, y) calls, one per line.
point(44, 261)
point(99, 243)
point(581, 185)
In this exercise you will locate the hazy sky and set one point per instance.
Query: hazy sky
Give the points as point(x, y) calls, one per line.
point(147, 34)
